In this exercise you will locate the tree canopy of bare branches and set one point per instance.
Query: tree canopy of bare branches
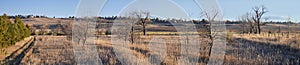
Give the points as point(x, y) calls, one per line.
point(259, 11)
point(143, 16)
point(251, 22)
point(248, 25)
point(66, 28)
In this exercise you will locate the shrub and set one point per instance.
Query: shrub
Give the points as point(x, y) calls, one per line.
point(229, 37)
point(107, 33)
point(10, 33)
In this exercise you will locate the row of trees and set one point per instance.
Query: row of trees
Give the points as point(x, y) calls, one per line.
point(12, 32)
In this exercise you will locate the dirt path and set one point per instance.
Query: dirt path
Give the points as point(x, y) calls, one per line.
point(15, 57)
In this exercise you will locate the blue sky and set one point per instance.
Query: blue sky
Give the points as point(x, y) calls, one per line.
point(232, 9)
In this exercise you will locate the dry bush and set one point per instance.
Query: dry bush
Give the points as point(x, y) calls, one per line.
point(229, 37)
point(294, 42)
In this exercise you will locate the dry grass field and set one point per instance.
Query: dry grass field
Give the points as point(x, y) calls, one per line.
point(244, 49)
point(50, 50)
point(262, 50)
point(249, 49)
point(141, 49)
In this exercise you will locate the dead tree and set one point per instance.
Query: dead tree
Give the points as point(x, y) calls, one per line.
point(83, 29)
point(211, 17)
point(45, 29)
point(289, 24)
point(66, 28)
point(127, 28)
point(143, 17)
point(247, 23)
point(259, 11)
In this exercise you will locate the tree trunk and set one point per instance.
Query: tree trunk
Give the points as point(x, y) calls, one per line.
point(212, 43)
point(132, 35)
point(211, 38)
point(144, 29)
point(258, 27)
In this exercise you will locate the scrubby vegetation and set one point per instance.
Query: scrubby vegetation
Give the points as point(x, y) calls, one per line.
point(12, 32)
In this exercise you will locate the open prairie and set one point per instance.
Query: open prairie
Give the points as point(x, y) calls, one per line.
point(250, 49)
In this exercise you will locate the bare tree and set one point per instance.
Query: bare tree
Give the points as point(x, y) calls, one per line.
point(289, 21)
point(248, 25)
point(132, 31)
point(217, 35)
point(125, 28)
point(66, 28)
point(259, 11)
point(98, 28)
point(211, 17)
point(44, 29)
point(83, 29)
point(143, 16)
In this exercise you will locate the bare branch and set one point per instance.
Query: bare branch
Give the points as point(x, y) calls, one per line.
point(259, 11)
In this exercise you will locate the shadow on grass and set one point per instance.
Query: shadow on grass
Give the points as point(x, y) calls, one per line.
point(108, 57)
point(253, 52)
point(16, 58)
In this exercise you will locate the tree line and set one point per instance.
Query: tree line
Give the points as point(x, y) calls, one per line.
point(12, 32)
